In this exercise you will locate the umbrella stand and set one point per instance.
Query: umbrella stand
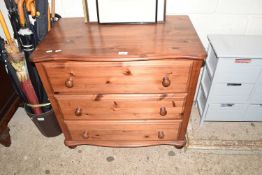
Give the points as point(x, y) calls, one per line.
point(18, 63)
point(46, 122)
point(23, 74)
point(28, 41)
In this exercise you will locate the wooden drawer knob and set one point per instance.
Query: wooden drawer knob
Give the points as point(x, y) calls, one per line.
point(163, 111)
point(78, 111)
point(166, 81)
point(85, 135)
point(69, 83)
point(161, 135)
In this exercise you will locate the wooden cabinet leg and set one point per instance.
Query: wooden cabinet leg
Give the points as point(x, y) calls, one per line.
point(5, 138)
point(72, 147)
point(181, 145)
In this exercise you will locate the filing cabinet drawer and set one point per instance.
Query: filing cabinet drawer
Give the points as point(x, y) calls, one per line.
point(254, 112)
point(225, 112)
point(229, 70)
point(231, 92)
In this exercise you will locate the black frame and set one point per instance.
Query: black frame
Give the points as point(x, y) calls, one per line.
point(156, 15)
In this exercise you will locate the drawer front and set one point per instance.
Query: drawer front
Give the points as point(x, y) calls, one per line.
point(231, 92)
point(226, 112)
point(121, 131)
point(231, 70)
point(137, 106)
point(119, 77)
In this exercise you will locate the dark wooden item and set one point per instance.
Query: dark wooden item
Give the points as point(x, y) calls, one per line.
point(9, 103)
point(121, 85)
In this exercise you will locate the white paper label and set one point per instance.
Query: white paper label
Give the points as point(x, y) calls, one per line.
point(122, 53)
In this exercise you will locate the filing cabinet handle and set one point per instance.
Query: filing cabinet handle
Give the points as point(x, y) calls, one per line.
point(85, 135)
point(161, 134)
point(78, 111)
point(234, 84)
point(166, 81)
point(243, 60)
point(69, 83)
point(163, 111)
point(227, 105)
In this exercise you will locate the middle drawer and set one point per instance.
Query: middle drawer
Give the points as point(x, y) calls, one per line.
point(119, 77)
point(121, 106)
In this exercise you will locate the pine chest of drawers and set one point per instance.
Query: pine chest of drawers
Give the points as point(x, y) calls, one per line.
point(121, 85)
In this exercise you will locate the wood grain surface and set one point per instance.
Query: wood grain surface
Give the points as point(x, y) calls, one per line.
point(119, 77)
point(124, 106)
point(122, 130)
point(72, 39)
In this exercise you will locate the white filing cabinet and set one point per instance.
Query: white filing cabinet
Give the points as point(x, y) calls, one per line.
point(231, 84)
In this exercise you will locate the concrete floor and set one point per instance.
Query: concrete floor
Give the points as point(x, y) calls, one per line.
point(33, 154)
point(228, 136)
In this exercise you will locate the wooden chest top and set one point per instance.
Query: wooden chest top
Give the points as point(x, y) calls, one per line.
point(72, 39)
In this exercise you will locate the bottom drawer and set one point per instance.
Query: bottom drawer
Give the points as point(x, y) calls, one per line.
point(226, 112)
point(124, 130)
point(254, 112)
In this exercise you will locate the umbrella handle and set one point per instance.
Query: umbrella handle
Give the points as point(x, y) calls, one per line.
point(21, 14)
point(28, 4)
point(33, 9)
point(30, 7)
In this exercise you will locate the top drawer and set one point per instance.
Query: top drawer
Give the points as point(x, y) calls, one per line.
point(238, 70)
point(119, 77)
